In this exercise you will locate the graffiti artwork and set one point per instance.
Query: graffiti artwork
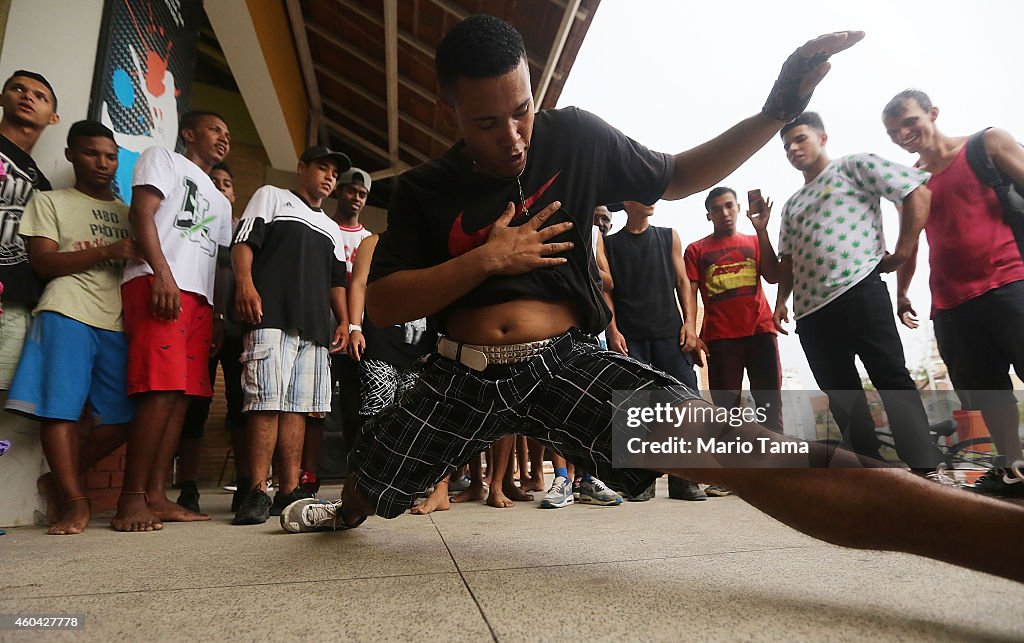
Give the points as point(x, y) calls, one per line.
point(144, 71)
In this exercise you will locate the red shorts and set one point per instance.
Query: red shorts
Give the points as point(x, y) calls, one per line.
point(167, 355)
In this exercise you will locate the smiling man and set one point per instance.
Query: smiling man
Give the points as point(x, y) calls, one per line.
point(977, 274)
point(493, 241)
point(179, 219)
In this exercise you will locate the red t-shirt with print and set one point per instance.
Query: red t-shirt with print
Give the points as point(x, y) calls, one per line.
point(726, 270)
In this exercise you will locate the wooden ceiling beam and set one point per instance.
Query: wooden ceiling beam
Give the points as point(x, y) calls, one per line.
point(356, 53)
point(298, 25)
point(568, 18)
point(391, 75)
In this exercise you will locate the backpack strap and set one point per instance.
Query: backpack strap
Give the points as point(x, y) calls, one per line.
point(981, 162)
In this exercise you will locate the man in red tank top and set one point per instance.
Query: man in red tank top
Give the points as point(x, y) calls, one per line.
point(977, 275)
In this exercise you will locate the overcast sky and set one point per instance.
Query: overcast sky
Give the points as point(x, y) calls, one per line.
point(673, 74)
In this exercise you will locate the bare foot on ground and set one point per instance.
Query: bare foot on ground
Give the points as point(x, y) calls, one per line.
point(475, 493)
point(133, 514)
point(533, 483)
point(512, 492)
point(498, 499)
point(74, 520)
point(168, 511)
point(437, 501)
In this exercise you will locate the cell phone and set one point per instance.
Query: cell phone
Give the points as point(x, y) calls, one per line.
point(755, 202)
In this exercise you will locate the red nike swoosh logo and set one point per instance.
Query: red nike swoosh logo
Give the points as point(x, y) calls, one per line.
point(461, 242)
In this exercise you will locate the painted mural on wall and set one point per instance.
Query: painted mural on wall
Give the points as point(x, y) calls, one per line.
point(144, 71)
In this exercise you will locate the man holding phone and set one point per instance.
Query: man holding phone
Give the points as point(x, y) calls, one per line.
point(726, 267)
point(290, 272)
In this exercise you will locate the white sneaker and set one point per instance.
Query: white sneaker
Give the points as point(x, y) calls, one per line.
point(559, 495)
point(310, 514)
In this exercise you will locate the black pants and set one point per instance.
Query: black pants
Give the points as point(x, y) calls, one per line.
point(199, 407)
point(860, 322)
point(665, 355)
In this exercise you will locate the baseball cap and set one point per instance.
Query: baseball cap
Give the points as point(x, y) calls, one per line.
point(355, 175)
point(318, 152)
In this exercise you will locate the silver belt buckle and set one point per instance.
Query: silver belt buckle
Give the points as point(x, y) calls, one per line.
point(468, 357)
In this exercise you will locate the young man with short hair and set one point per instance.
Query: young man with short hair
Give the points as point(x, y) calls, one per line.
point(290, 273)
point(831, 258)
point(977, 275)
point(726, 267)
point(179, 219)
point(654, 317)
point(515, 298)
point(78, 239)
point(29, 106)
point(227, 354)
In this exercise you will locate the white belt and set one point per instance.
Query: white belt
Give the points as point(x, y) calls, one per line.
point(479, 357)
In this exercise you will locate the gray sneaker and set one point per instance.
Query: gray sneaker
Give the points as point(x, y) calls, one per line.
point(310, 514)
point(594, 492)
point(559, 495)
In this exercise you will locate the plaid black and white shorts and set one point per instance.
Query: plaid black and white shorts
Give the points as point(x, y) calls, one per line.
point(381, 384)
point(562, 397)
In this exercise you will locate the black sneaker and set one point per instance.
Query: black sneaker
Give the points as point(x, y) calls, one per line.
point(282, 500)
point(254, 510)
point(999, 481)
point(189, 497)
point(309, 483)
point(680, 489)
point(242, 487)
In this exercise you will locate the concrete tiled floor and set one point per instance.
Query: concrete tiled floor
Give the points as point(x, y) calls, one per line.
point(662, 570)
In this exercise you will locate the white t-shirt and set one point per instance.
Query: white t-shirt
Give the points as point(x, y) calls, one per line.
point(351, 238)
point(832, 226)
point(194, 218)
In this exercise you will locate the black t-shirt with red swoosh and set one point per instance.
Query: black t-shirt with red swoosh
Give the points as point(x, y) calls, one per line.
point(444, 208)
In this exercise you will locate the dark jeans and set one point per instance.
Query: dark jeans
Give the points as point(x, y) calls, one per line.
point(860, 322)
point(759, 356)
point(199, 407)
point(665, 355)
point(979, 341)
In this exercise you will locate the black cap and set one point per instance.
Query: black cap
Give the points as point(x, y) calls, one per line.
point(318, 152)
point(616, 207)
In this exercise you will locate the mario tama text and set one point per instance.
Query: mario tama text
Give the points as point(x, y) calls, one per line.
point(671, 428)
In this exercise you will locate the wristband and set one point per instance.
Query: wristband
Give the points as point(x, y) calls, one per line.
point(784, 102)
point(354, 327)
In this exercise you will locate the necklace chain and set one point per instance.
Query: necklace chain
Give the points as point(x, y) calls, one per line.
point(519, 184)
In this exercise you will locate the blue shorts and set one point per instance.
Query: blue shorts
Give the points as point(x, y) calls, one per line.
point(65, 364)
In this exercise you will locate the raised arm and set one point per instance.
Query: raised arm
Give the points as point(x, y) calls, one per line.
point(707, 164)
point(768, 265)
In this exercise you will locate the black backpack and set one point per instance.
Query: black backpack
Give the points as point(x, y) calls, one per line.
point(1011, 196)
